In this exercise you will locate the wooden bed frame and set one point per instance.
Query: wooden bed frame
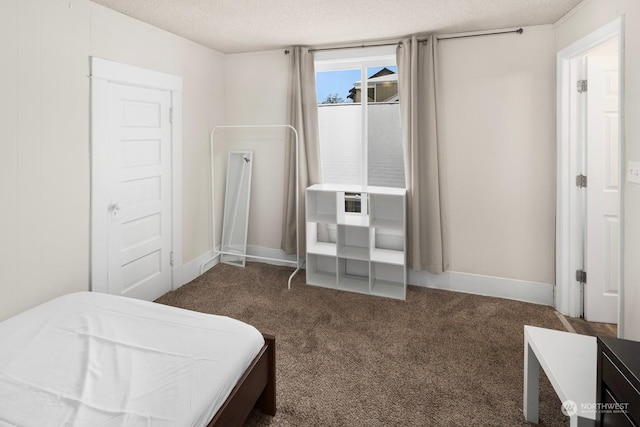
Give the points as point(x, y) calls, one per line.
point(256, 388)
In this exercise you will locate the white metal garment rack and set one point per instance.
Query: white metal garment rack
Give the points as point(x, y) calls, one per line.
point(218, 253)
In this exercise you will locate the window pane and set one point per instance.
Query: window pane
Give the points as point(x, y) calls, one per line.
point(349, 155)
point(335, 87)
point(340, 127)
point(385, 162)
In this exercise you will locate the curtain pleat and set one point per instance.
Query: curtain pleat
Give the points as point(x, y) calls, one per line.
point(303, 116)
point(424, 157)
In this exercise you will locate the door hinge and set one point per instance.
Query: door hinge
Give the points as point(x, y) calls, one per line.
point(581, 181)
point(170, 115)
point(171, 259)
point(581, 276)
point(582, 86)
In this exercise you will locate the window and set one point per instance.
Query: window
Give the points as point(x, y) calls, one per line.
point(360, 136)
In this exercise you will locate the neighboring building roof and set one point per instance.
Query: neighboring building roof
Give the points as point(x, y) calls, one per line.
point(385, 75)
point(380, 79)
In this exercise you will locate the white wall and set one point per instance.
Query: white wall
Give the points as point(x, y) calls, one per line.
point(497, 126)
point(256, 94)
point(44, 163)
point(8, 156)
point(44, 149)
point(587, 17)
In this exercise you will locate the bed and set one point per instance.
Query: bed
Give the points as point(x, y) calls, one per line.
point(94, 359)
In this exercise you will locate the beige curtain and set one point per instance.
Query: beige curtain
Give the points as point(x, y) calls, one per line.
point(427, 224)
point(303, 116)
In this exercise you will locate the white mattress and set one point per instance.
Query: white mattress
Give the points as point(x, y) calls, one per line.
point(90, 359)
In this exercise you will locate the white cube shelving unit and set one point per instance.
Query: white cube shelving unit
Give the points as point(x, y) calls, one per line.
point(356, 239)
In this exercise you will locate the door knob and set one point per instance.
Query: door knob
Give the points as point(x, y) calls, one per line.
point(115, 208)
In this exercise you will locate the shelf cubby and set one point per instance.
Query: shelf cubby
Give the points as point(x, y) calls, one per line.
point(353, 242)
point(353, 275)
point(388, 280)
point(386, 212)
point(319, 240)
point(351, 212)
point(321, 270)
point(387, 245)
point(321, 207)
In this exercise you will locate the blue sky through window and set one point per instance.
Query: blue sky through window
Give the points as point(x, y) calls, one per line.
point(335, 82)
point(340, 82)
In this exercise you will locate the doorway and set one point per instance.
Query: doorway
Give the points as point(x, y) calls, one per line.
point(589, 177)
point(135, 180)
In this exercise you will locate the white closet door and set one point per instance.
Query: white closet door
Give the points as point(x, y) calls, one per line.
point(139, 190)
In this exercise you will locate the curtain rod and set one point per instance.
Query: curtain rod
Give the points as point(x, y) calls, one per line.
point(519, 31)
point(352, 47)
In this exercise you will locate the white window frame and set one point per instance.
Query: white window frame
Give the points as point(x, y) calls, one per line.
point(362, 59)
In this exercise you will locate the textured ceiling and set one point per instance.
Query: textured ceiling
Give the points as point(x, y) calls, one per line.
point(232, 26)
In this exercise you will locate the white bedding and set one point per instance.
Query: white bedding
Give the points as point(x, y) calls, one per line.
point(90, 359)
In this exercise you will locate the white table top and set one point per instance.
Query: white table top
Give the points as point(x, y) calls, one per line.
point(569, 360)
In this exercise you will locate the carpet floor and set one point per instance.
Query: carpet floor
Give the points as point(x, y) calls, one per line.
point(440, 358)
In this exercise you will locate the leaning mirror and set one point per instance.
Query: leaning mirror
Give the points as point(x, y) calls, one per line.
point(235, 221)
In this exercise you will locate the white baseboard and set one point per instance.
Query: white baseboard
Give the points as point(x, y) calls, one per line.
point(276, 254)
point(191, 270)
point(500, 287)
